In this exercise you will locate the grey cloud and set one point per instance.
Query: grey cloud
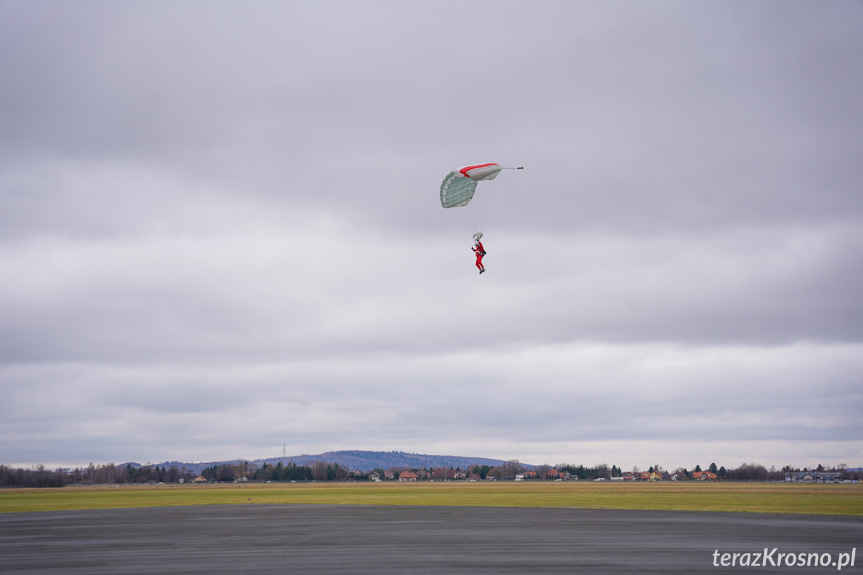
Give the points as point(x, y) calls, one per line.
point(215, 211)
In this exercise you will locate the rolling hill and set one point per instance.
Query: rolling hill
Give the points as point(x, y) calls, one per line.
point(364, 461)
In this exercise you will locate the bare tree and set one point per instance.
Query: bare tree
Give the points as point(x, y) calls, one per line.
point(511, 468)
point(319, 471)
point(542, 471)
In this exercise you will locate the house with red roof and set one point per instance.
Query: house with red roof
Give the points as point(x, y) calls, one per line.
point(703, 476)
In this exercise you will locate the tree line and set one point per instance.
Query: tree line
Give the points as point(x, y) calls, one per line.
point(39, 476)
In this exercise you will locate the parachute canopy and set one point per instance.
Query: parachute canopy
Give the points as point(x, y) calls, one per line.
point(459, 186)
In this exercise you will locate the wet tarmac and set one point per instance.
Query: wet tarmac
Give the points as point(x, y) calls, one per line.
point(269, 539)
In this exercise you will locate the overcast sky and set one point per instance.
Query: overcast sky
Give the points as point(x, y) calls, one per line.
point(220, 231)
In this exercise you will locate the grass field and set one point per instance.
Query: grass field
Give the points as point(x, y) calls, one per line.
point(843, 499)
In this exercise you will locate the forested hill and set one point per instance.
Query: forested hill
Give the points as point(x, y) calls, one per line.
point(364, 461)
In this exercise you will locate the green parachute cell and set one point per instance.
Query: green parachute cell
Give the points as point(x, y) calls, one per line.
point(458, 187)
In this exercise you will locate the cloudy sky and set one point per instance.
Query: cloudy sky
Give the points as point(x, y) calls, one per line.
point(220, 231)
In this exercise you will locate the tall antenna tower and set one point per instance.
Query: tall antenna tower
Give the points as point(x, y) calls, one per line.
point(284, 450)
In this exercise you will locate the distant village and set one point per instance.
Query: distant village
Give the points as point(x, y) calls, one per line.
point(513, 471)
point(321, 471)
point(555, 475)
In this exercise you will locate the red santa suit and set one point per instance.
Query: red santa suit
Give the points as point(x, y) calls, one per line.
point(479, 253)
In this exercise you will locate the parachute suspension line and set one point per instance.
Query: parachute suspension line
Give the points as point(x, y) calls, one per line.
point(468, 188)
point(479, 208)
point(487, 200)
point(487, 204)
point(466, 215)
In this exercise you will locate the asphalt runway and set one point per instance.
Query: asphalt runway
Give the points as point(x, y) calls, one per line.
point(270, 539)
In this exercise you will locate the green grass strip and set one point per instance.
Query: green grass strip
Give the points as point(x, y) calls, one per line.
point(844, 499)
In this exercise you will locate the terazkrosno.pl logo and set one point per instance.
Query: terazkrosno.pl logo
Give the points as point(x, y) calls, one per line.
point(775, 558)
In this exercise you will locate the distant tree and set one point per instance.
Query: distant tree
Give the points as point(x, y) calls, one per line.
point(748, 472)
point(319, 471)
point(774, 474)
point(225, 473)
point(583, 473)
point(713, 468)
point(294, 472)
point(335, 472)
point(511, 468)
point(37, 476)
point(602, 471)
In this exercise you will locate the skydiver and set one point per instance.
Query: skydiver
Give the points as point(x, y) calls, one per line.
point(480, 251)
